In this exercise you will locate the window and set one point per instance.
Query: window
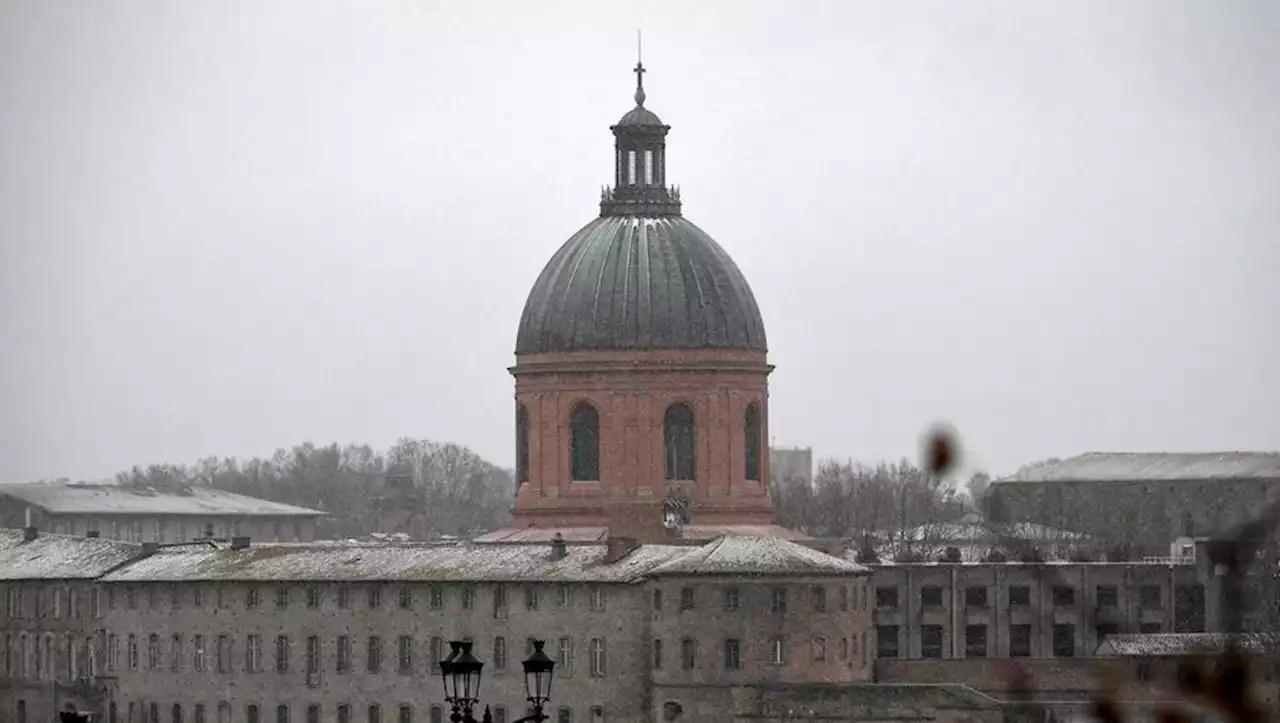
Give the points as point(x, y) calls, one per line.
point(778, 600)
point(500, 653)
point(197, 655)
point(437, 714)
point(373, 654)
point(564, 656)
point(224, 712)
point(1063, 596)
point(282, 714)
point(975, 641)
point(251, 600)
point(1107, 595)
point(132, 652)
point(844, 599)
point(313, 713)
point(1019, 641)
point(175, 653)
point(405, 715)
point(95, 602)
point(500, 714)
point(819, 649)
point(597, 598)
point(597, 658)
point(930, 596)
point(313, 654)
point(1149, 597)
point(282, 653)
point(251, 713)
point(931, 641)
point(657, 654)
point(197, 714)
point(732, 654)
point(153, 713)
point(887, 597)
point(657, 600)
point(564, 596)
point(1188, 608)
point(778, 651)
point(818, 599)
point(375, 713)
point(1020, 595)
point(1064, 640)
point(153, 651)
point(975, 597)
point(584, 443)
point(678, 439)
point(405, 655)
point(522, 443)
point(197, 599)
point(499, 601)
point(344, 597)
point(313, 596)
point(344, 654)
point(751, 441)
point(686, 598)
point(732, 599)
point(282, 601)
point(688, 653)
point(437, 652)
point(253, 654)
point(375, 597)
point(565, 715)
point(631, 180)
point(344, 713)
point(468, 597)
point(130, 596)
point(435, 597)
point(530, 597)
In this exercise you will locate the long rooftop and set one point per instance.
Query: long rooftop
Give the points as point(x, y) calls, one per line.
point(1151, 466)
point(107, 499)
point(60, 557)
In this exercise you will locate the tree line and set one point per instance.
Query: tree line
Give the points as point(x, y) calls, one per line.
point(447, 489)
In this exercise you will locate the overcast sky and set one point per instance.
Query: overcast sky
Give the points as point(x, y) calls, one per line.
point(227, 227)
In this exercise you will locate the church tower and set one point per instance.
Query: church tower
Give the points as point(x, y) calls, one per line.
point(641, 373)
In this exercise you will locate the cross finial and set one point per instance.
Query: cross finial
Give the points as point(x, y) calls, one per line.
point(639, 72)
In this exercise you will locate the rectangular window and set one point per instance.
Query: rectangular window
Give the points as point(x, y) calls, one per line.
point(1064, 640)
point(95, 602)
point(1020, 641)
point(931, 596)
point(597, 598)
point(1063, 596)
point(153, 652)
point(405, 714)
point(130, 597)
point(437, 714)
point(499, 601)
point(975, 641)
point(818, 599)
point(251, 713)
point(530, 597)
point(732, 654)
point(778, 651)
point(437, 653)
point(282, 653)
point(819, 649)
point(133, 652)
point(282, 597)
point(597, 658)
point(1107, 595)
point(657, 600)
point(1019, 595)
point(686, 598)
point(564, 596)
point(844, 598)
point(406, 598)
point(435, 597)
point(688, 653)
point(375, 597)
point(313, 596)
point(975, 597)
point(657, 654)
point(344, 598)
point(887, 597)
point(564, 657)
point(175, 653)
point(648, 168)
point(468, 597)
point(198, 655)
point(313, 655)
point(373, 654)
point(197, 598)
point(313, 713)
point(931, 641)
point(282, 714)
point(500, 653)
point(405, 655)
point(631, 180)
point(344, 713)
point(732, 599)
point(375, 713)
point(778, 600)
point(251, 598)
point(224, 654)
point(344, 654)
point(197, 714)
point(253, 654)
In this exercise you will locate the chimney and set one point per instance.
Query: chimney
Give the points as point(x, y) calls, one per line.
point(29, 533)
point(558, 547)
point(93, 533)
point(240, 543)
point(617, 548)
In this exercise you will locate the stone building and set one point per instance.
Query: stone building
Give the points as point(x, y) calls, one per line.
point(133, 514)
point(1140, 502)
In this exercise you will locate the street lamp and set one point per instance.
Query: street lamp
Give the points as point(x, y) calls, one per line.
point(538, 671)
point(460, 674)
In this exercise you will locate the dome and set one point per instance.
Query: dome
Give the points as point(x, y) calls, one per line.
point(630, 282)
point(640, 117)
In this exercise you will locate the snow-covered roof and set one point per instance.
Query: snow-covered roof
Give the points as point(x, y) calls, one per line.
point(1159, 644)
point(59, 557)
point(100, 499)
point(1144, 466)
point(763, 555)
point(688, 533)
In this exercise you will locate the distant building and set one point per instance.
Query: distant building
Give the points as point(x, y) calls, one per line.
point(790, 463)
point(134, 514)
point(1139, 501)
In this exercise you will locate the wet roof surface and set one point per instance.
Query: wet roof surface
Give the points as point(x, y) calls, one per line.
point(1141, 466)
point(59, 557)
point(626, 282)
point(64, 498)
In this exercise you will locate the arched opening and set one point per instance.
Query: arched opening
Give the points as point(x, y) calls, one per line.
point(679, 437)
point(751, 439)
point(584, 443)
point(522, 443)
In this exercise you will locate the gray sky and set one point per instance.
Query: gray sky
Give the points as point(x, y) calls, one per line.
point(228, 227)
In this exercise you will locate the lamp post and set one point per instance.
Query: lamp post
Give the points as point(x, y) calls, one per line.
point(460, 674)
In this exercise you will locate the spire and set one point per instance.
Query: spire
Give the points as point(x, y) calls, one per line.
point(639, 73)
